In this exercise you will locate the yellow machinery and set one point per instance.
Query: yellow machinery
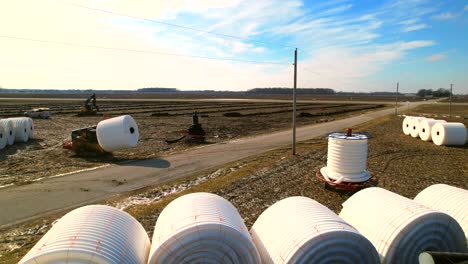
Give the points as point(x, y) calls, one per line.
point(90, 107)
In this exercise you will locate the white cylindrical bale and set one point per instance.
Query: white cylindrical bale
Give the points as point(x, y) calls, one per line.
point(20, 129)
point(425, 128)
point(407, 125)
point(346, 158)
point(415, 125)
point(7, 125)
point(201, 228)
point(301, 230)
point(117, 133)
point(399, 228)
point(92, 234)
point(448, 199)
point(449, 134)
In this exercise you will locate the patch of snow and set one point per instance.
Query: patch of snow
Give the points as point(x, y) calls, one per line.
point(144, 199)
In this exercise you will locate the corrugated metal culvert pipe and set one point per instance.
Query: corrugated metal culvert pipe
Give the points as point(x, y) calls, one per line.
point(301, 230)
point(201, 228)
point(400, 228)
point(92, 234)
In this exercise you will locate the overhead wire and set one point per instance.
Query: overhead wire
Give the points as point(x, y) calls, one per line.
point(180, 26)
point(143, 51)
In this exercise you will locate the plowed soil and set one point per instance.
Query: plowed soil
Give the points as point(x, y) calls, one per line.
point(44, 156)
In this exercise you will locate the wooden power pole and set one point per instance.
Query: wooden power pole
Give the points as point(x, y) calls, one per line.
point(396, 99)
point(450, 104)
point(294, 102)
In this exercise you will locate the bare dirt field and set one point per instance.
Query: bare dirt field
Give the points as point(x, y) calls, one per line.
point(401, 164)
point(157, 121)
point(208, 95)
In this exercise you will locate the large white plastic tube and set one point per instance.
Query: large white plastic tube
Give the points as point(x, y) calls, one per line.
point(449, 134)
point(117, 133)
point(346, 159)
point(448, 199)
point(20, 129)
point(201, 228)
point(400, 228)
point(415, 125)
point(407, 125)
point(7, 124)
point(92, 234)
point(30, 127)
point(301, 230)
point(425, 128)
point(3, 136)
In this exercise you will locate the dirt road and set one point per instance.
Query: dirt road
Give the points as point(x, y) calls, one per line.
point(22, 203)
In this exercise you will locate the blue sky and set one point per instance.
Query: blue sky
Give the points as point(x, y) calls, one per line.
point(344, 45)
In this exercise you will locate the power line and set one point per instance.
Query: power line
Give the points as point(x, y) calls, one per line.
point(143, 51)
point(179, 26)
point(308, 70)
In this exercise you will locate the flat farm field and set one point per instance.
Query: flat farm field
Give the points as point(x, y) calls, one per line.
point(158, 121)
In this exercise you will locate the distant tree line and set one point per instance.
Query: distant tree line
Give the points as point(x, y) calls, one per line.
point(157, 90)
point(441, 92)
point(281, 90)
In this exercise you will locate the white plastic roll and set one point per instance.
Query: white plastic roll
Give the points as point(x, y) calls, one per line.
point(92, 234)
point(30, 127)
point(400, 228)
point(7, 124)
point(301, 230)
point(346, 158)
point(20, 129)
point(407, 125)
point(117, 133)
point(448, 199)
point(415, 125)
point(425, 128)
point(449, 134)
point(3, 137)
point(201, 228)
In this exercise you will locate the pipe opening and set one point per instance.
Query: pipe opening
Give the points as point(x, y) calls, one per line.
point(424, 130)
point(437, 132)
point(132, 130)
point(11, 132)
point(414, 127)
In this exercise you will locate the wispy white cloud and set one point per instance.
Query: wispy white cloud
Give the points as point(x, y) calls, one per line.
point(415, 27)
point(435, 57)
point(445, 16)
point(337, 10)
point(466, 8)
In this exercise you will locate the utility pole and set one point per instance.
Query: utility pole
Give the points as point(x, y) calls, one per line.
point(294, 102)
point(396, 99)
point(450, 104)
